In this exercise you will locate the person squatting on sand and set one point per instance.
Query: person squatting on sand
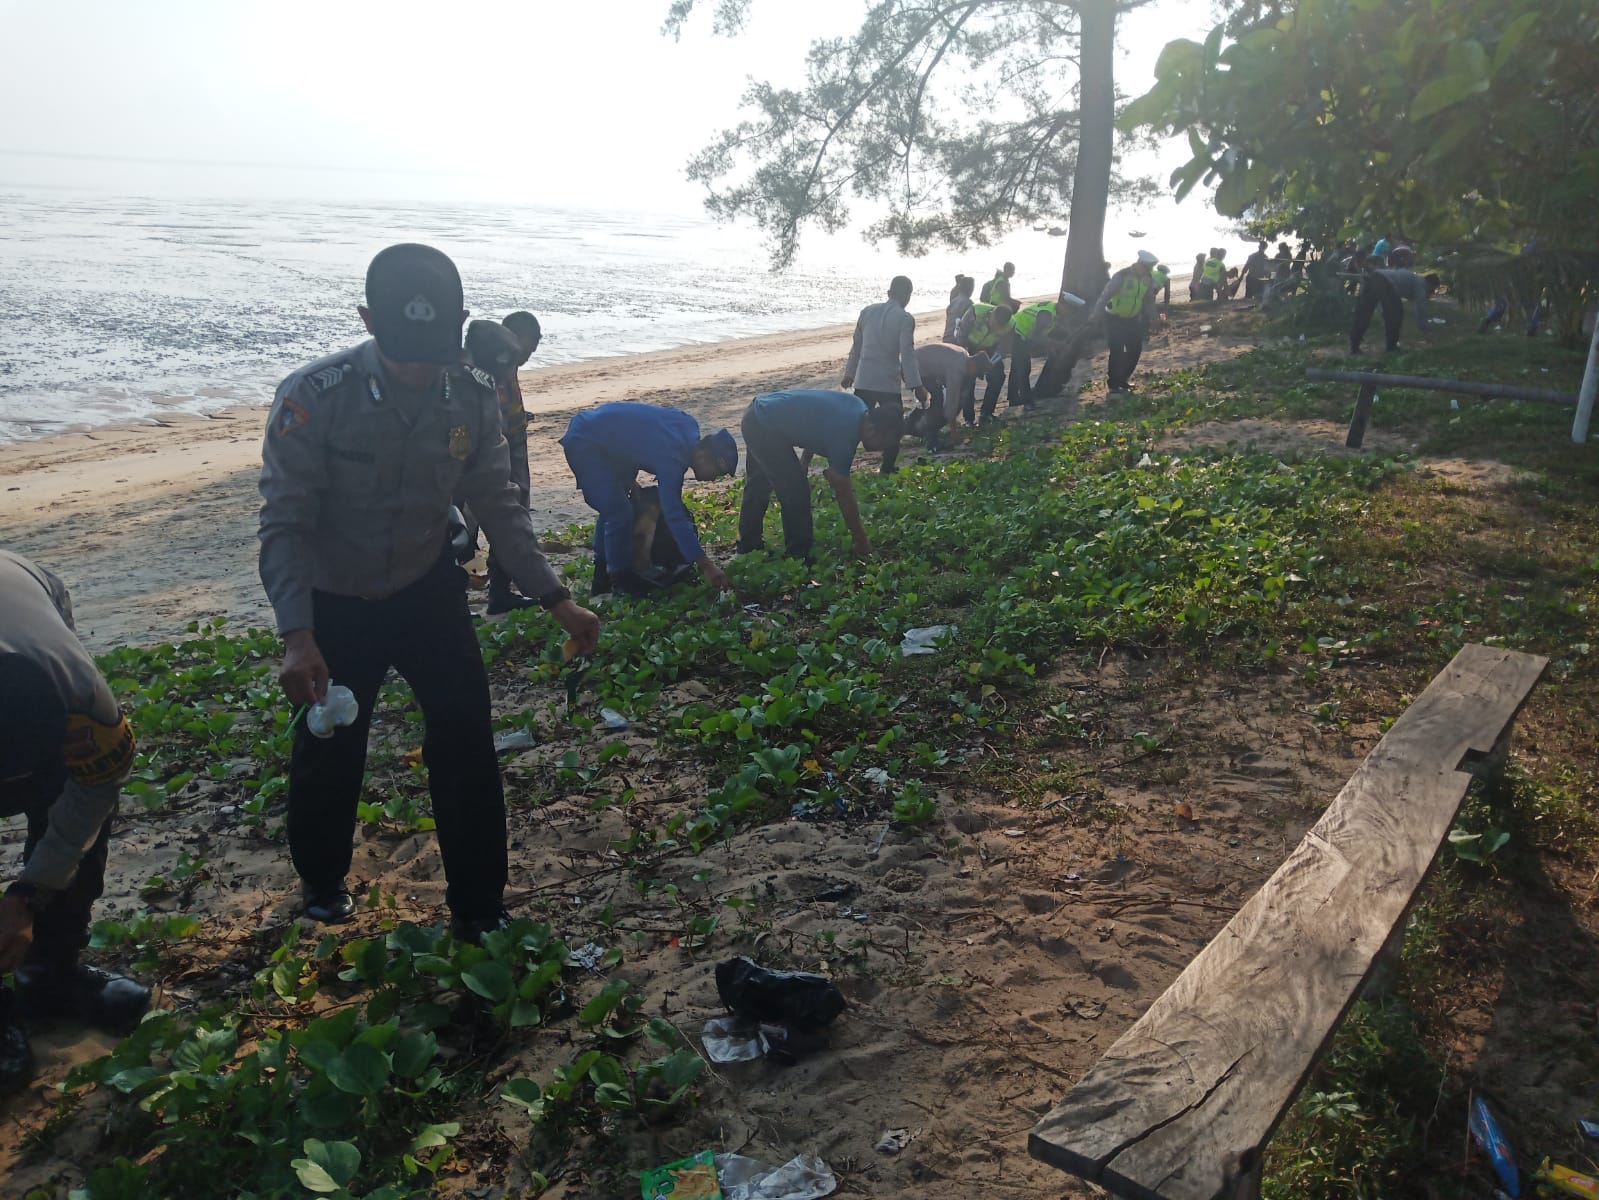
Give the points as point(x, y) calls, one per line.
point(363, 452)
point(65, 751)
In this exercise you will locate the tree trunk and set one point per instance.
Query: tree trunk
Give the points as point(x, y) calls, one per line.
point(1085, 238)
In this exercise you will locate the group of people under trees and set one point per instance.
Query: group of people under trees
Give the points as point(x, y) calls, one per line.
point(379, 465)
point(1380, 275)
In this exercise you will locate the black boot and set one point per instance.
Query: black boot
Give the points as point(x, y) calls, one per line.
point(81, 993)
point(329, 904)
point(602, 579)
point(16, 1056)
point(472, 929)
point(503, 598)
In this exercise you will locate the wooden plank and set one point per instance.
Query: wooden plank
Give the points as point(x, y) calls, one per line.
point(1182, 1105)
point(1362, 417)
point(1494, 391)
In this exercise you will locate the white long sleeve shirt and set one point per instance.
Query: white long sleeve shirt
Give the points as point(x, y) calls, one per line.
point(884, 349)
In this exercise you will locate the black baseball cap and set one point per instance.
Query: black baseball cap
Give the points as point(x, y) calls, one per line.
point(414, 295)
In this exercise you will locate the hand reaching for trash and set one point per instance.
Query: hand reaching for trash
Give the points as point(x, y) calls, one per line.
point(578, 621)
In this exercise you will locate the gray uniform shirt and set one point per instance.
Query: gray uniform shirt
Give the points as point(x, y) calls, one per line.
point(356, 486)
point(36, 623)
point(943, 369)
point(884, 349)
point(1410, 286)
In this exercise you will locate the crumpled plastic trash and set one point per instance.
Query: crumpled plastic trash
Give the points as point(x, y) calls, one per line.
point(893, 1141)
point(921, 641)
point(589, 956)
point(1146, 461)
point(760, 993)
point(803, 1177)
point(513, 739)
point(613, 719)
point(730, 1040)
point(336, 712)
point(876, 775)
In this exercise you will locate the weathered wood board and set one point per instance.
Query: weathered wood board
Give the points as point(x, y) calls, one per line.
point(1199, 1083)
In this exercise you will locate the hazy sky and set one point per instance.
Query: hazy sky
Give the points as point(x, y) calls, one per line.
point(493, 100)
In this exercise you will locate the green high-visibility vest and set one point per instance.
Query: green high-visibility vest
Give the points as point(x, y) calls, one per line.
point(1025, 321)
point(1215, 270)
point(983, 336)
point(1159, 278)
point(1129, 300)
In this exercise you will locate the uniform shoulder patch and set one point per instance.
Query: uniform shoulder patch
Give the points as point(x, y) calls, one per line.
point(482, 376)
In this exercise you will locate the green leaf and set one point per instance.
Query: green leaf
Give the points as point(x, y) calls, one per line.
point(525, 1093)
point(489, 979)
point(341, 1160)
point(1444, 93)
point(597, 1009)
point(361, 1070)
point(434, 1135)
point(1512, 37)
point(313, 1176)
point(413, 1052)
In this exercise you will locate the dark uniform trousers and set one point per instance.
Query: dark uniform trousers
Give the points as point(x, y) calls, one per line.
point(1125, 336)
point(424, 631)
point(61, 928)
point(1374, 290)
point(889, 400)
point(993, 383)
point(773, 468)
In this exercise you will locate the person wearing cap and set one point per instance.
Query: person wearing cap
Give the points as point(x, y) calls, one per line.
point(828, 423)
point(363, 453)
point(882, 354)
point(608, 446)
point(1161, 276)
point(495, 352)
point(65, 751)
point(945, 371)
point(1128, 307)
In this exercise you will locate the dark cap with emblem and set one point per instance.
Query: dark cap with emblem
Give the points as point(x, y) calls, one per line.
point(414, 295)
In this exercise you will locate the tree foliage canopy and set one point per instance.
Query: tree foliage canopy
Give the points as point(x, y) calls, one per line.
point(1448, 120)
point(954, 119)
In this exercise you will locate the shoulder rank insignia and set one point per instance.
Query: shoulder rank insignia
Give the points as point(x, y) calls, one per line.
point(329, 377)
point(460, 443)
point(482, 376)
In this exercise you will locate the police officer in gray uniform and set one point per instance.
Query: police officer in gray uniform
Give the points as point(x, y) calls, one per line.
point(364, 451)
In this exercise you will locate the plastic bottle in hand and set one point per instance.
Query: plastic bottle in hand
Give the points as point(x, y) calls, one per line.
point(337, 711)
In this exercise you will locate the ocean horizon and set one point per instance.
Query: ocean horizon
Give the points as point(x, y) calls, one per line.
point(121, 308)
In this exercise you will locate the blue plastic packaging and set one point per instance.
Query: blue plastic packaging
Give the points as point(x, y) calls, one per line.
point(1486, 1133)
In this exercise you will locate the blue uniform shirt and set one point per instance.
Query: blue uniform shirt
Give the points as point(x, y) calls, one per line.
point(608, 446)
point(825, 423)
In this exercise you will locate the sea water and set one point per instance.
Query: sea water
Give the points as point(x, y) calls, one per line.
point(124, 308)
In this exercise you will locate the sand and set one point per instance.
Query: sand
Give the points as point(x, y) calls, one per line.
point(153, 526)
point(988, 959)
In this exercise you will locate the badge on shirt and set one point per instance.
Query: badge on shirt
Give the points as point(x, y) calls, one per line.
point(291, 415)
point(98, 754)
point(460, 443)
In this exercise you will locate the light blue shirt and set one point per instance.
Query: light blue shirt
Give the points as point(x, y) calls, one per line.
point(826, 423)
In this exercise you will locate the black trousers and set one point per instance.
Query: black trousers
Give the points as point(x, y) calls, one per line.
point(889, 400)
point(773, 468)
point(1022, 354)
point(993, 383)
point(1125, 337)
point(61, 930)
point(424, 632)
point(1376, 290)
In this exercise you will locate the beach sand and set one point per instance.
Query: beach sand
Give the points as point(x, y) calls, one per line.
point(153, 526)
